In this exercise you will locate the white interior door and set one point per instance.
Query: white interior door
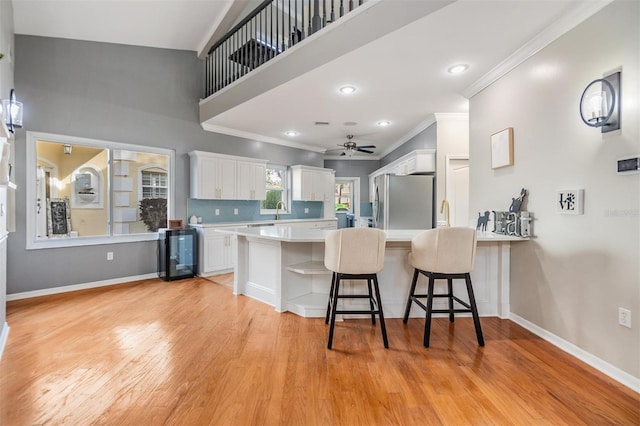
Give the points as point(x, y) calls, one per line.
point(457, 190)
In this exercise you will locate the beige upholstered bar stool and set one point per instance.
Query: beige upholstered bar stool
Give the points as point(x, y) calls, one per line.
point(355, 254)
point(443, 253)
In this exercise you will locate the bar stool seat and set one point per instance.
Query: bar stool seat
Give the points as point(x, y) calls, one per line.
point(443, 253)
point(355, 254)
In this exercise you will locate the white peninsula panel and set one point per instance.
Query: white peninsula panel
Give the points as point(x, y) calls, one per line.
point(283, 267)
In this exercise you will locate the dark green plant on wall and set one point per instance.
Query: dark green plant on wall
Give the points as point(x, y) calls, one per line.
point(153, 212)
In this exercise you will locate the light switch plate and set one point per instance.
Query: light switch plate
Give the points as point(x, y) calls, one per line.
point(235, 211)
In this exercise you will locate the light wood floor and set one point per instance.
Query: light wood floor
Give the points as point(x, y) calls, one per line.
point(190, 353)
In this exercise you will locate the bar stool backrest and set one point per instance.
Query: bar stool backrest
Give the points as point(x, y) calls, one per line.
point(355, 250)
point(444, 250)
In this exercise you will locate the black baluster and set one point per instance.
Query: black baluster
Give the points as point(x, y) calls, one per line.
point(317, 21)
point(291, 41)
point(341, 8)
point(350, 5)
point(333, 12)
point(310, 28)
point(324, 13)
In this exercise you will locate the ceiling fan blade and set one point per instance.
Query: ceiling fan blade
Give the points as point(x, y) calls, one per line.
point(364, 150)
point(344, 153)
point(366, 146)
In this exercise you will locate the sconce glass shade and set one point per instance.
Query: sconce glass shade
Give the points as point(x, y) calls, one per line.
point(12, 111)
point(600, 103)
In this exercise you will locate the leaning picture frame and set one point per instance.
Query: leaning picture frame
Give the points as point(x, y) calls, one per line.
point(58, 217)
point(502, 148)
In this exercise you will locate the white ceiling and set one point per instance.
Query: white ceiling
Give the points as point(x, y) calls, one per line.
point(171, 24)
point(401, 77)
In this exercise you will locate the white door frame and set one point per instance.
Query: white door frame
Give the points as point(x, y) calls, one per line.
point(448, 169)
point(356, 196)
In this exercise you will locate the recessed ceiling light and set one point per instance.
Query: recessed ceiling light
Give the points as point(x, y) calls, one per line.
point(458, 69)
point(347, 90)
point(383, 123)
point(291, 133)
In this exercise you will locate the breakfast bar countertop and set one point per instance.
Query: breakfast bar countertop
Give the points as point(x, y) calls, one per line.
point(309, 235)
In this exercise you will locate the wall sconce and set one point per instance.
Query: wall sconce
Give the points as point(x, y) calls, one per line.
point(66, 148)
point(12, 112)
point(600, 103)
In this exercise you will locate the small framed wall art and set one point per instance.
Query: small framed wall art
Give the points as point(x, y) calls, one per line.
point(502, 148)
point(570, 201)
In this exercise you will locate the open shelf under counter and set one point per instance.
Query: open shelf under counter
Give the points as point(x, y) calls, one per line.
point(310, 305)
point(312, 267)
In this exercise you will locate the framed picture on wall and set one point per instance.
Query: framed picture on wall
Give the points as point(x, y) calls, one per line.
point(58, 217)
point(502, 148)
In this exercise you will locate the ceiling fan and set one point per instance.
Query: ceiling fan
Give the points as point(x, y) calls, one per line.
point(350, 147)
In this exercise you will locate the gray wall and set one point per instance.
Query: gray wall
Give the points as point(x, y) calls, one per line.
point(573, 275)
point(129, 94)
point(355, 168)
point(426, 139)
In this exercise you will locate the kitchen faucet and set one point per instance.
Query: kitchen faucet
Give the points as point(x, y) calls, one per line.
point(278, 205)
point(444, 207)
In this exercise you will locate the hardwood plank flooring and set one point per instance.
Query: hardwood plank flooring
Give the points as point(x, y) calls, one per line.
point(189, 352)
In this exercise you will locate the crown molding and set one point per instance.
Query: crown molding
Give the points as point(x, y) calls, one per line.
point(256, 137)
point(460, 116)
point(431, 119)
point(551, 33)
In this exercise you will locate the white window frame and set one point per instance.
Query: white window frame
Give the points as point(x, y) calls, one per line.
point(145, 168)
point(287, 189)
point(34, 243)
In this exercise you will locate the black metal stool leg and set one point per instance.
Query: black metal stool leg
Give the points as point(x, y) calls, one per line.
point(450, 288)
point(474, 310)
point(410, 298)
point(333, 283)
point(336, 291)
point(427, 321)
point(379, 301)
point(373, 308)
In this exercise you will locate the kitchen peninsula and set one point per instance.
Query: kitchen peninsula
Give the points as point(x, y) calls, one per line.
point(283, 266)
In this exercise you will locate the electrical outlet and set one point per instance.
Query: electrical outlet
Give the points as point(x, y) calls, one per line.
point(109, 255)
point(306, 209)
point(235, 211)
point(217, 212)
point(624, 317)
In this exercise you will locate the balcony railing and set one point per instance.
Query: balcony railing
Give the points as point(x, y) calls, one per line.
point(273, 27)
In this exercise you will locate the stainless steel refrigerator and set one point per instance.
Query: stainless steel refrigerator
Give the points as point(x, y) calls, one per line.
point(403, 202)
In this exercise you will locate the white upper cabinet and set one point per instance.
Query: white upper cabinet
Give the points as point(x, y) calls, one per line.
point(312, 183)
point(227, 177)
point(252, 180)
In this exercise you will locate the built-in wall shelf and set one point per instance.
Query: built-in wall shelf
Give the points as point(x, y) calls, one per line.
point(313, 267)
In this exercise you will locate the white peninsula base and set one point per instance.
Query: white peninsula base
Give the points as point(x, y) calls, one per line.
point(284, 267)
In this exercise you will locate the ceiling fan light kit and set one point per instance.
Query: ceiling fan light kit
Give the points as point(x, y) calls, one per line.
point(350, 147)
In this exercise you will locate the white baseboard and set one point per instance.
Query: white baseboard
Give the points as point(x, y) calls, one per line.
point(75, 287)
point(3, 337)
point(612, 371)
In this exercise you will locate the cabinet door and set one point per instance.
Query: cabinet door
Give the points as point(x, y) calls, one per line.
point(307, 185)
point(206, 185)
point(226, 175)
point(232, 246)
point(215, 253)
point(260, 182)
point(251, 181)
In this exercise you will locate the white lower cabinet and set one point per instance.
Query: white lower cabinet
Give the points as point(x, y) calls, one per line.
point(216, 251)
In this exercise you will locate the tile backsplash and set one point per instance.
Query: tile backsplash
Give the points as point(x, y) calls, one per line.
point(247, 210)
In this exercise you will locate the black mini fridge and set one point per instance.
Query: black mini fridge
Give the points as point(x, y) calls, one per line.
point(177, 253)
